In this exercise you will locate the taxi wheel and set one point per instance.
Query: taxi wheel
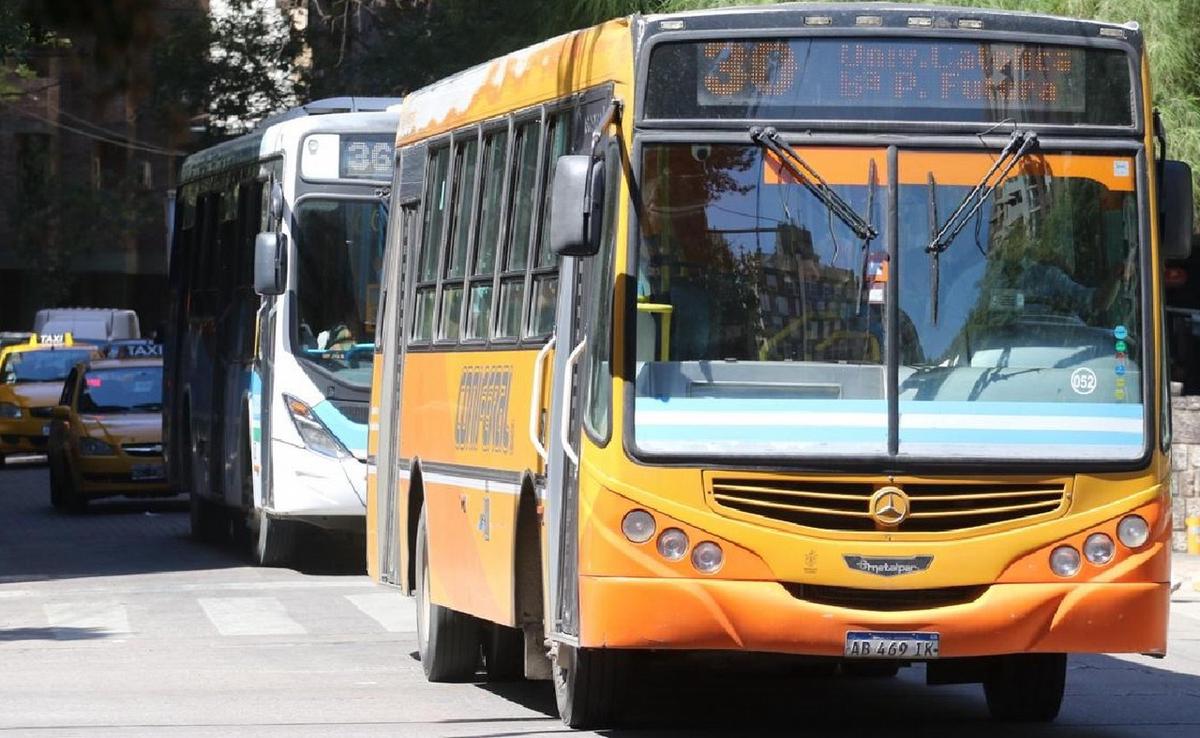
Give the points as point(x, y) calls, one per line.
point(585, 685)
point(276, 543)
point(448, 641)
point(56, 491)
point(1026, 687)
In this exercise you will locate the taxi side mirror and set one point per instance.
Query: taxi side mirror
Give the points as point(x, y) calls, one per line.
point(60, 412)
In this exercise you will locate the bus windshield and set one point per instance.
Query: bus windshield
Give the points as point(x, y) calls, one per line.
point(41, 366)
point(339, 251)
point(763, 321)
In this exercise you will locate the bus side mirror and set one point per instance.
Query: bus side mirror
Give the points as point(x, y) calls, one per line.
point(270, 264)
point(1176, 203)
point(576, 205)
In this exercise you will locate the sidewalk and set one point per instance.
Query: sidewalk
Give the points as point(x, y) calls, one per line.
point(1185, 571)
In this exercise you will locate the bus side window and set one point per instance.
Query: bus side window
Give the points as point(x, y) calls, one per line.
point(458, 238)
point(483, 265)
point(520, 216)
point(545, 280)
point(431, 241)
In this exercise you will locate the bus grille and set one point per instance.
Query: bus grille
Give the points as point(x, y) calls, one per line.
point(885, 599)
point(355, 412)
point(845, 506)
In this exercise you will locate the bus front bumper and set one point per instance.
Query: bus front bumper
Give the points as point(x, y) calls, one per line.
point(713, 614)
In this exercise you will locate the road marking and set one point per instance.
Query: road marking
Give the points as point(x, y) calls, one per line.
point(237, 616)
point(392, 610)
point(88, 619)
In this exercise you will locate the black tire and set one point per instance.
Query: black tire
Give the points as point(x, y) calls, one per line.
point(276, 542)
point(1026, 687)
point(56, 491)
point(871, 669)
point(585, 685)
point(504, 653)
point(448, 641)
point(208, 520)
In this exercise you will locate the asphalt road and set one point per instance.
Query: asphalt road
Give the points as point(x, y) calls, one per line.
point(115, 623)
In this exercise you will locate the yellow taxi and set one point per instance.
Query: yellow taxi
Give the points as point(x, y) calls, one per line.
point(31, 380)
point(106, 434)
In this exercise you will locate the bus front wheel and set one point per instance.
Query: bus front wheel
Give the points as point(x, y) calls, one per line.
point(585, 684)
point(1026, 687)
point(449, 642)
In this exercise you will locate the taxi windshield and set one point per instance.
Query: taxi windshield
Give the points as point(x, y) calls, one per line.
point(124, 390)
point(41, 366)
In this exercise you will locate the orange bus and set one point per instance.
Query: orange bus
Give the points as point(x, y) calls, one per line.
point(831, 332)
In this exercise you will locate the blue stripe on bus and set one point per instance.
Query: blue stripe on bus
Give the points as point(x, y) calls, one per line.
point(352, 435)
point(817, 435)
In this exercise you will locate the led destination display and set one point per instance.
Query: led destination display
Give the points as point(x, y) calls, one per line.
point(892, 79)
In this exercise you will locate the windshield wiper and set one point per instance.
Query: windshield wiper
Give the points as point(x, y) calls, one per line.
point(1017, 147)
point(1019, 144)
point(816, 184)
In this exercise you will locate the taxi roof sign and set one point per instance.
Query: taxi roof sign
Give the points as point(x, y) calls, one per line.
point(52, 339)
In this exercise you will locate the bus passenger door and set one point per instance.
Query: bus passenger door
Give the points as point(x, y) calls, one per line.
point(391, 391)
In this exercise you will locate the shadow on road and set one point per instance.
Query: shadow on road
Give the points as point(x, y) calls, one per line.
point(673, 696)
point(52, 634)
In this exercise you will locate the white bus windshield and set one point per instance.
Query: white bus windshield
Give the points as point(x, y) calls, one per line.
point(339, 252)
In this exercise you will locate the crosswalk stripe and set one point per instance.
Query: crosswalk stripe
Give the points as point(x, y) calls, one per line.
point(89, 619)
point(237, 616)
point(393, 611)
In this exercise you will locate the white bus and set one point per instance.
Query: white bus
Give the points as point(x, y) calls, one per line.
point(274, 276)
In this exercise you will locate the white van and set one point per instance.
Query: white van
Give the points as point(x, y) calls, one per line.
point(88, 324)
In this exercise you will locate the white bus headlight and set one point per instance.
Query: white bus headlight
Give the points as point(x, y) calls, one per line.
point(1134, 531)
point(638, 526)
point(95, 447)
point(672, 544)
point(707, 557)
point(312, 431)
point(9, 410)
point(1099, 549)
point(1065, 561)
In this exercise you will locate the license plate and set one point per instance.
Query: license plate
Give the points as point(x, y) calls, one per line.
point(878, 645)
point(148, 471)
point(45, 430)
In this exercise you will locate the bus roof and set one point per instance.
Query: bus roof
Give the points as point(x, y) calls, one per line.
point(894, 15)
point(525, 77)
point(281, 133)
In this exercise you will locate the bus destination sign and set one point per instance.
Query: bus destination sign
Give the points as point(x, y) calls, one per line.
point(950, 75)
point(891, 79)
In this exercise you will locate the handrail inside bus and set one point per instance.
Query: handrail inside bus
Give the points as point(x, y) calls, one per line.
point(535, 400)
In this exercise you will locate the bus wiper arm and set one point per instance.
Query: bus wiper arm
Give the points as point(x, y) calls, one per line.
point(1017, 147)
point(816, 184)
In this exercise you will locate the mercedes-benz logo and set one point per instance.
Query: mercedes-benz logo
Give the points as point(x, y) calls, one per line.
point(889, 506)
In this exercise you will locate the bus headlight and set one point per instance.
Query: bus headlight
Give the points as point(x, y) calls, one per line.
point(1134, 531)
point(312, 431)
point(1099, 549)
point(95, 447)
point(9, 410)
point(672, 544)
point(707, 557)
point(1065, 561)
point(638, 526)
